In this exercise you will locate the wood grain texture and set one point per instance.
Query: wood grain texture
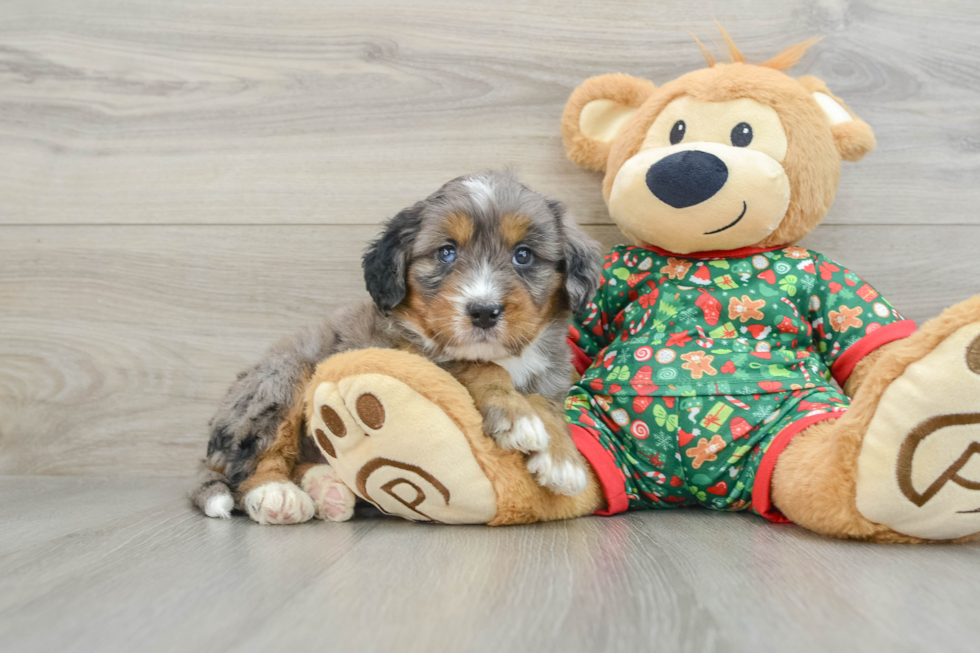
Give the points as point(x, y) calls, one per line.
point(208, 111)
point(118, 341)
point(184, 182)
point(143, 571)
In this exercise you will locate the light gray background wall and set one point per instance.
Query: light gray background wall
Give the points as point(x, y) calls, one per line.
point(181, 183)
point(184, 181)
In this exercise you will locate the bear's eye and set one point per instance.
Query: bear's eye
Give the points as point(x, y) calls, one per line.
point(677, 132)
point(446, 254)
point(741, 134)
point(523, 257)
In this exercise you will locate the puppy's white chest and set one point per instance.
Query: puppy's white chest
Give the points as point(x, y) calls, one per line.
point(532, 362)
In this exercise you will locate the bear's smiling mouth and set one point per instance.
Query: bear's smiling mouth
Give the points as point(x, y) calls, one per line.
point(729, 226)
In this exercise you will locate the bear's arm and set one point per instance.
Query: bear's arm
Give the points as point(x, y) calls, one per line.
point(851, 321)
point(592, 330)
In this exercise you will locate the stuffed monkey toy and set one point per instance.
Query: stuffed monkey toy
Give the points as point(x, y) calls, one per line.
point(708, 351)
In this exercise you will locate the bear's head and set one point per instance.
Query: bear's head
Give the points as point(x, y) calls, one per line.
point(726, 157)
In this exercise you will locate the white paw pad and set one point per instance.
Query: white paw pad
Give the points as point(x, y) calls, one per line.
point(528, 435)
point(333, 500)
point(561, 477)
point(279, 503)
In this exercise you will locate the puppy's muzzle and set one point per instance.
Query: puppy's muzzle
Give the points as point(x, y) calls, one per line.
point(485, 316)
point(687, 178)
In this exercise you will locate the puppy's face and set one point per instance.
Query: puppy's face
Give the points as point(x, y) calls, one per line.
point(487, 264)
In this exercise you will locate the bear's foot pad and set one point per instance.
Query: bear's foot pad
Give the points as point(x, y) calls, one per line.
point(400, 451)
point(919, 465)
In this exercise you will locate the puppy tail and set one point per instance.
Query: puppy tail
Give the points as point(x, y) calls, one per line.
point(212, 493)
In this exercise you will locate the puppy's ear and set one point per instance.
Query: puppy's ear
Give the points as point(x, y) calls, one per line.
point(386, 260)
point(583, 259)
point(852, 135)
point(595, 114)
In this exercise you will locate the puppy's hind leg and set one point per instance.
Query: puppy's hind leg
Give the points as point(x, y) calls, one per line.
point(560, 467)
point(269, 495)
point(333, 501)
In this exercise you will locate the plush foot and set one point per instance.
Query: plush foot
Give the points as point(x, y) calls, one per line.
point(332, 499)
point(279, 503)
point(918, 470)
point(392, 445)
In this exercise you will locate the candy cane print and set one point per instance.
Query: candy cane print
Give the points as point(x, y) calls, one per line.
point(786, 301)
point(704, 340)
point(593, 311)
point(634, 329)
point(737, 403)
point(806, 373)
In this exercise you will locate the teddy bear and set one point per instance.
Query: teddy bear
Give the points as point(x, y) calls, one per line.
point(708, 354)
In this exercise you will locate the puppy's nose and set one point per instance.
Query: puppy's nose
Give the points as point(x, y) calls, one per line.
point(485, 315)
point(686, 178)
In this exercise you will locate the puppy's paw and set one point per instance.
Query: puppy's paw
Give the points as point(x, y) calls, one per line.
point(333, 500)
point(560, 475)
point(279, 503)
point(514, 425)
point(220, 506)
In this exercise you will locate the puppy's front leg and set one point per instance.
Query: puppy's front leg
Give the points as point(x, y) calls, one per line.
point(560, 467)
point(531, 424)
point(508, 417)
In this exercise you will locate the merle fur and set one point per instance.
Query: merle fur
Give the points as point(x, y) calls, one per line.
point(246, 421)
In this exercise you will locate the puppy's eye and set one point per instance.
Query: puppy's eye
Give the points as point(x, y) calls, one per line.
point(677, 132)
point(446, 254)
point(741, 134)
point(523, 257)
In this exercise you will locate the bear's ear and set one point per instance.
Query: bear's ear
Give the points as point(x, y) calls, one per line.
point(852, 135)
point(596, 113)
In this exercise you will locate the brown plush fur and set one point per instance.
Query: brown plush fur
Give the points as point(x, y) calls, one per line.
point(519, 498)
point(822, 497)
point(622, 89)
point(814, 481)
point(812, 162)
point(814, 153)
point(854, 139)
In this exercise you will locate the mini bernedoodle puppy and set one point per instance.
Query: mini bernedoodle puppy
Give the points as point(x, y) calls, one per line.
point(480, 278)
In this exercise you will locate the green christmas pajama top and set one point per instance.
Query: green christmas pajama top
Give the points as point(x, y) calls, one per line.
point(697, 370)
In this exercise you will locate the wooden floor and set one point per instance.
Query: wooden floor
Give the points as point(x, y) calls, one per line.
point(184, 182)
point(111, 565)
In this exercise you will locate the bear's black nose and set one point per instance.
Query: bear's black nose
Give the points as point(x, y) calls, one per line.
point(686, 178)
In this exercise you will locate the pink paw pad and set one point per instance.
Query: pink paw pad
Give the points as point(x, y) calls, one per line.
point(333, 500)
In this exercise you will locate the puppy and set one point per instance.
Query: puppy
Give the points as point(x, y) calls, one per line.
point(480, 278)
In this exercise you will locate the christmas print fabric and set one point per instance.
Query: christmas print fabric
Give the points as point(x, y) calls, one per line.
point(699, 363)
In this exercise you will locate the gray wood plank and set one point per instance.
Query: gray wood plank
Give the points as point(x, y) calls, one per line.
point(119, 340)
point(184, 182)
point(130, 111)
point(168, 579)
